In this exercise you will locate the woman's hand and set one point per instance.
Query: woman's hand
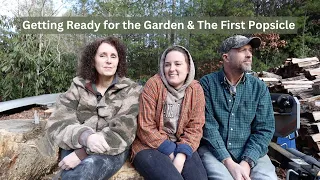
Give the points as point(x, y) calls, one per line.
point(97, 144)
point(178, 161)
point(69, 162)
point(171, 156)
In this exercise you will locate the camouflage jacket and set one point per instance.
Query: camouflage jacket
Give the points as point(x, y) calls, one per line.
point(78, 110)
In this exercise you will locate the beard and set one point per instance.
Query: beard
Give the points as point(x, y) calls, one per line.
point(245, 67)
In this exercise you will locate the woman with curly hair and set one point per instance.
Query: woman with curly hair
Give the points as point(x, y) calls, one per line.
point(94, 122)
point(170, 121)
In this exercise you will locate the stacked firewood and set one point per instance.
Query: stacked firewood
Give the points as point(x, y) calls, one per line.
point(300, 78)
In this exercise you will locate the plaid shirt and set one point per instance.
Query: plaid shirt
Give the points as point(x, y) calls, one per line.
point(150, 133)
point(237, 126)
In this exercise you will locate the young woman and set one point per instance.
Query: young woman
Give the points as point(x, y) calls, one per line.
point(94, 122)
point(170, 121)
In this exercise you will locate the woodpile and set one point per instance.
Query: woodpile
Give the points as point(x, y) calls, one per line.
point(300, 78)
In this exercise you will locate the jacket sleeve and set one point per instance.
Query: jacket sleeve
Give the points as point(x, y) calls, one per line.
point(211, 133)
point(123, 126)
point(148, 126)
point(262, 128)
point(63, 127)
point(190, 140)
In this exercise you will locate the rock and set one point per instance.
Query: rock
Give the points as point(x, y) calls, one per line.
point(24, 152)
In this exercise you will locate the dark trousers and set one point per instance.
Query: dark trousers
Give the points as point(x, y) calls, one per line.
point(154, 165)
point(94, 166)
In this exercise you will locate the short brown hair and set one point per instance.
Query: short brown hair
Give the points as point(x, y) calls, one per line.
point(87, 68)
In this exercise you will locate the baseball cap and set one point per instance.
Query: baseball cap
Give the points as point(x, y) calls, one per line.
point(238, 41)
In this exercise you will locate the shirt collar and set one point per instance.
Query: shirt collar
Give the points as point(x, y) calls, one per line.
point(93, 88)
point(115, 80)
point(223, 80)
point(226, 80)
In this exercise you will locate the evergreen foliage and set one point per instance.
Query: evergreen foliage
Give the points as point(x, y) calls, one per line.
point(34, 64)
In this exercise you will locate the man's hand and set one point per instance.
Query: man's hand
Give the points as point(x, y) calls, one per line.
point(97, 144)
point(178, 161)
point(236, 171)
point(69, 162)
point(245, 167)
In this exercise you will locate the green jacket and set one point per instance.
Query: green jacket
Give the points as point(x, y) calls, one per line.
point(78, 111)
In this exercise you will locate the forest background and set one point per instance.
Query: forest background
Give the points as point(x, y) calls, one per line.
point(35, 64)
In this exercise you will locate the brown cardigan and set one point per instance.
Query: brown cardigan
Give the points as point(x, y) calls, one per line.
point(150, 133)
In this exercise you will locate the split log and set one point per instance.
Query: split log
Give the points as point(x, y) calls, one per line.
point(309, 76)
point(316, 115)
point(316, 89)
point(315, 128)
point(297, 86)
point(25, 153)
point(308, 107)
point(265, 79)
point(289, 71)
point(301, 77)
point(316, 81)
point(301, 93)
point(297, 82)
point(314, 98)
point(317, 146)
point(305, 61)
point(313, 72)
point(315, 137)
point(270, 81)
point(265, 74)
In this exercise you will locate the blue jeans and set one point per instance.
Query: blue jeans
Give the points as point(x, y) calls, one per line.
point(94, 166)
point(264, 169)
point(154, 165)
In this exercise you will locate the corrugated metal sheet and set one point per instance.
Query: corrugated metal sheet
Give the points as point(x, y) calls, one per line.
point(44, 99)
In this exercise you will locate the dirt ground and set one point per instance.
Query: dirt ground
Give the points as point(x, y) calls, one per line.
point(26, 114)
